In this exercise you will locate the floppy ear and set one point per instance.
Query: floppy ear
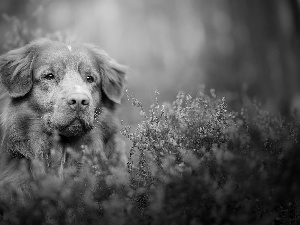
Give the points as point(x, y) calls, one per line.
point(113, 79)
point(15, 71)
point(112, 75)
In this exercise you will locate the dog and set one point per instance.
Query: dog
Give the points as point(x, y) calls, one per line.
point(55, 91)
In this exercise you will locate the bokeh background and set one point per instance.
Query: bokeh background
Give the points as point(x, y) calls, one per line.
point(243, 49)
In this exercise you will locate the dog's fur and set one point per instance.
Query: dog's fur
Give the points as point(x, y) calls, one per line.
point(39, 79)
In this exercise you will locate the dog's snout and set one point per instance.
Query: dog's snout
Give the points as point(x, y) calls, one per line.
point(78, 101)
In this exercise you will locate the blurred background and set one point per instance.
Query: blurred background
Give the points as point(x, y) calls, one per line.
point(243, 49)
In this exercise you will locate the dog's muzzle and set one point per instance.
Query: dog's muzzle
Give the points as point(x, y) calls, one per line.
point(74, 118)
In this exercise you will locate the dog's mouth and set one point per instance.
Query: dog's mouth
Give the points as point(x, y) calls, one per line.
point(69, 125)
point(76, 128)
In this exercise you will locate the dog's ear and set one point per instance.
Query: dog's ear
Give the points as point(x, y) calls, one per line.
point(112, 75)
point(15, 70)
point(113, 79)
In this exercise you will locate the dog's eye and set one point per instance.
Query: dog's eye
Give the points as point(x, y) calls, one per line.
point(49, 76)
point(90, 79)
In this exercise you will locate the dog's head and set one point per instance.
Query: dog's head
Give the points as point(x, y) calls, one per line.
point(65, 85)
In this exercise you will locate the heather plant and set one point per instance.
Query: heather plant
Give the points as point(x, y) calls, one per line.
point(181, 134)
point(195, 162)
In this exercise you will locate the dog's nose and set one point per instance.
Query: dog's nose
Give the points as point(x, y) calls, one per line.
point(78, 101)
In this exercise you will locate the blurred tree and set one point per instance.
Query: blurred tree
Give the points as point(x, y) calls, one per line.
point(255, 46)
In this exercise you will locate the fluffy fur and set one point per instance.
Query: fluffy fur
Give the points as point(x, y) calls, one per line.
point(56, 92)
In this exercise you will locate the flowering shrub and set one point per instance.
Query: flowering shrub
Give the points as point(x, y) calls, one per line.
point(200, 164)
